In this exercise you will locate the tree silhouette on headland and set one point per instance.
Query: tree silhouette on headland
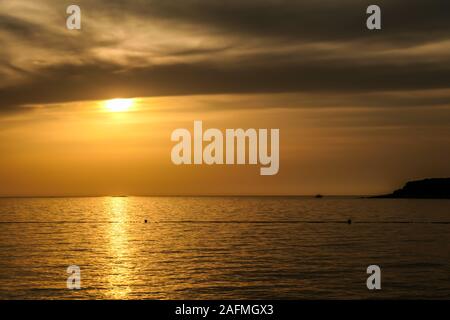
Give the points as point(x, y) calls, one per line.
point(434, 188)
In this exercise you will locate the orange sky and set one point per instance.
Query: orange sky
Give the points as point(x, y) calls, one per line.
point(82, 149)
point(358, 112)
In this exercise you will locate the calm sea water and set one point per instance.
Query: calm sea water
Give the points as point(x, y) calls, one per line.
point(223, 247)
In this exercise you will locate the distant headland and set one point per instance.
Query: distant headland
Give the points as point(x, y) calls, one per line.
point(434, 188)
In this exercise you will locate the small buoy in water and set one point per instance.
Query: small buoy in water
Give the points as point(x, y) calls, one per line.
point(349, 221)
point(145, 221)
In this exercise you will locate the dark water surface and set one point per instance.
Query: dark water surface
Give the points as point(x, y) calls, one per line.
point(223, 247)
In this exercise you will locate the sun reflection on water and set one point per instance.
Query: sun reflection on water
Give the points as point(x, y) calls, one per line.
point(121, 269)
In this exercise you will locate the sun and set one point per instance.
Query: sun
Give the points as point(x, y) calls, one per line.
point(119, 105)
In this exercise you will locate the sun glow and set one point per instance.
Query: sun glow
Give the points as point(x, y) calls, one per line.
point(119, 105)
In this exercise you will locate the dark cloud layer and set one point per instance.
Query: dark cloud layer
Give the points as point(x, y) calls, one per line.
point(311, 20)
point(89, 82)
point(276, 46)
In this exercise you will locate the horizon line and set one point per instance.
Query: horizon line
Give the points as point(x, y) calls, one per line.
point(185, 195)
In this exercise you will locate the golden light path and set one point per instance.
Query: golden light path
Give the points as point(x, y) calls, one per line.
point(121, 272)
point(119, 105)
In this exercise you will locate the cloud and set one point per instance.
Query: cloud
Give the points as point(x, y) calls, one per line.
point(305, 20)
point(187, 47)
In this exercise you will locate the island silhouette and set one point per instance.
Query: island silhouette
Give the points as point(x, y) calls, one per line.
point(431, 188)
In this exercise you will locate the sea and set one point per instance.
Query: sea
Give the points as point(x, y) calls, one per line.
point(223, 248)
